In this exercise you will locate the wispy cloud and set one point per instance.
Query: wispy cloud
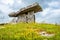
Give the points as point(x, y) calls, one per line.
point(54, 4)
point(6, 7)
point(7, 2)
point(51, 14)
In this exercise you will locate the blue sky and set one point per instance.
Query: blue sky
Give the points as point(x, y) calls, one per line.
point(50, 13)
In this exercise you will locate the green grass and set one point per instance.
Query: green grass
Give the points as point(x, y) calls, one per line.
point(24, 31)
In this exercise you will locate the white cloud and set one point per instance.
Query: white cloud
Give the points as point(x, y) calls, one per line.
point(5, 5)
point(19, 1)
point(50, 14)
point(54, 4)
point(53, 13)
point(6, 2)
point(45, 11)
point(6, 8)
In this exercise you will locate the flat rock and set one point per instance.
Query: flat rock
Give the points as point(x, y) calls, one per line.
point(44, 33)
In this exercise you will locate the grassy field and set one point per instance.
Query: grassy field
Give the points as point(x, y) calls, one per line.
point(31, 31)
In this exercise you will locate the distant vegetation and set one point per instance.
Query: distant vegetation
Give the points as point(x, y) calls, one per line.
point(30, 31)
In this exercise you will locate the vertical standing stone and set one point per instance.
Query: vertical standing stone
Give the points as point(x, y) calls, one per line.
point(21, 18)
point(31, 16)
